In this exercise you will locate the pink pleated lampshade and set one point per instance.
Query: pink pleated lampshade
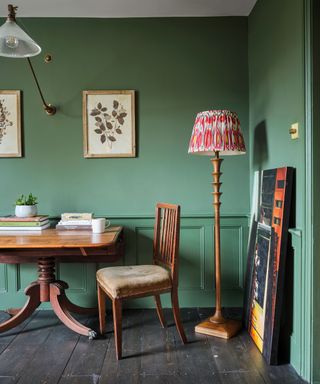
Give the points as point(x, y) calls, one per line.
point(217, 131)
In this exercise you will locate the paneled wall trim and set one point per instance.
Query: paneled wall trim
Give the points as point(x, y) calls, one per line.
point(196, 263)
point(296, 339)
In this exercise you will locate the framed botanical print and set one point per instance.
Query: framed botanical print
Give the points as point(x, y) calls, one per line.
point(10, 124)
point(109, 124)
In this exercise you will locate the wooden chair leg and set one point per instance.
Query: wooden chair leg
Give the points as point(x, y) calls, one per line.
point(176, 314)
point(117, 323)
point(159, 310)
point(102, 310)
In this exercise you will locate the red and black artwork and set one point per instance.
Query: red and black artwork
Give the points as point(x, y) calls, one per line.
point(266, 260)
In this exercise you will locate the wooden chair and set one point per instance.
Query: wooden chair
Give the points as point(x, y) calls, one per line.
point(120, 283)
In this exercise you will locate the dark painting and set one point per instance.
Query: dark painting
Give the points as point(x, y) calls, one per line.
point(266, 261)
point(261, 264)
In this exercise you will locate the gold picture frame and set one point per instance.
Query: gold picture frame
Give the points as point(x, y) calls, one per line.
point(108, 123)
point(10, 123)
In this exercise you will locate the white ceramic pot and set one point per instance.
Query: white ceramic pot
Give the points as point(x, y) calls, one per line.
point(26, 210)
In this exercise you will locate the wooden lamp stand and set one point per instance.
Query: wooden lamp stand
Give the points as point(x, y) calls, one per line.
point(217, 325)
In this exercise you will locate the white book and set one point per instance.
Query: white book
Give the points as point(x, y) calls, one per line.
point(76, 216)
point(25, 229)
point(75, 222)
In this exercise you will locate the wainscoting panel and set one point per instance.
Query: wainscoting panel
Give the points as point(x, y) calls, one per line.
point(196, 264)
point(25, 273)
point(232, 256)
point(192, 258)
point(3, 278)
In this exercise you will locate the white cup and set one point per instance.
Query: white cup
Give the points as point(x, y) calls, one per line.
point(99, 225)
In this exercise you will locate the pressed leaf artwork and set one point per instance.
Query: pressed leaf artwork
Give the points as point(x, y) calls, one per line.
point(109, 123)
point(112, 121)
point(5, 121)
point(10, 126)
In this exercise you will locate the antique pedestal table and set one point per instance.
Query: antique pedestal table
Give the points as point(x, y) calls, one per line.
point(46, 248)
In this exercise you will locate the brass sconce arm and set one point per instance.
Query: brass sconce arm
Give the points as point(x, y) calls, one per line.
point(50, 109)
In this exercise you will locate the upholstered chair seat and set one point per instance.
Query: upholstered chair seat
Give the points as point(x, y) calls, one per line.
point(120, 282)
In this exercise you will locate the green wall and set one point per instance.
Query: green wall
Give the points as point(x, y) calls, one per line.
point(178, 67)
point(277, 99)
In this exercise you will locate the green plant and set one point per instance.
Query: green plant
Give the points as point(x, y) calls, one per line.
point(27, 200)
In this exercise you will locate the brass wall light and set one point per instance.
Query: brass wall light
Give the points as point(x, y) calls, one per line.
point(16, 44)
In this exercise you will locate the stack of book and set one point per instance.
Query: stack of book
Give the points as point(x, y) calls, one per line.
point(75, 221)
point(14, 223)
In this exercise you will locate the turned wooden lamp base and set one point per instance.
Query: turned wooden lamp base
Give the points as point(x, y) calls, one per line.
point(224, 330)
point(217, 325)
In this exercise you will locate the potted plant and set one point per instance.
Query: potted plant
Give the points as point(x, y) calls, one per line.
point(26, 206)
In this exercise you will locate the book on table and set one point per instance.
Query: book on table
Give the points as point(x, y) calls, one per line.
point(73, 227)
point(23, 223)
point(12, 218)
point(76, 216)
point(33, 229)
point(14, 223)
point(75, 221)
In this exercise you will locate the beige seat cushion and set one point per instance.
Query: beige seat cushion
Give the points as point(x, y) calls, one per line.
point(138, 279)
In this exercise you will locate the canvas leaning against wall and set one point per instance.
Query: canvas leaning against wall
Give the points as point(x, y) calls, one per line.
point(266, 259)
point(10, 124)
point(109, 123)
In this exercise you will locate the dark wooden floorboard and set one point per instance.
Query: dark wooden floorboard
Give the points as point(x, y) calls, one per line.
point(43, 351)
point(194, 360)
point(7, 337)
point(158, 348)
point(86, 362)
point(283, 374)
point(16, 357)
point(240, 357)
point(51, 358)
point(127, 369)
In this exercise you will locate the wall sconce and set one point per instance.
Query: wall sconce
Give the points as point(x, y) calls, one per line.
point(16, 44)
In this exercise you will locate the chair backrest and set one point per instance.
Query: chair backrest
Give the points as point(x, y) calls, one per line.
point(166, 237)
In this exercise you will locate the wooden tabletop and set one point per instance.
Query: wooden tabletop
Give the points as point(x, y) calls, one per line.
point(51, 238)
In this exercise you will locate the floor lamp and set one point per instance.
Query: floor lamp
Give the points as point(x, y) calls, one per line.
point(216, 133)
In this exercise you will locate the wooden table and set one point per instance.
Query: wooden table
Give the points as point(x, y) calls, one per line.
point(46, 248)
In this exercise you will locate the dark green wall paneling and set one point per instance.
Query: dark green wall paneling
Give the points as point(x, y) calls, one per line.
point(296, 342)
point(196, 264)
point(177, 66)
point(277, 99)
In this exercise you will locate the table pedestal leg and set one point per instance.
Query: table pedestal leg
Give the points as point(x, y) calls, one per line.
point(45, 289)
point(58, 299)
point(33, 291)
point(74, 308)
point(77, 309)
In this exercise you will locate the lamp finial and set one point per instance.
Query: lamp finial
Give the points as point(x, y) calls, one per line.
point(12, 12)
